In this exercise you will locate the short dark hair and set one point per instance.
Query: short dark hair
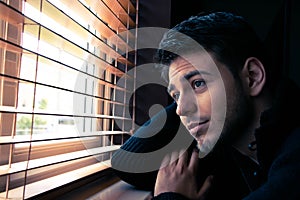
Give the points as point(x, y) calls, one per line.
point(228, 37)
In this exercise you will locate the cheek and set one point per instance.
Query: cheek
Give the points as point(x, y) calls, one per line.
point(183, 120)
point(204, 104)
point(218, 103)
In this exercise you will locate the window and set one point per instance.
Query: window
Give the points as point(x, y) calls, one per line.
point(59, 92)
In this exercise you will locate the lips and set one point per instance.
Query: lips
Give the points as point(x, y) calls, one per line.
point(196, 129)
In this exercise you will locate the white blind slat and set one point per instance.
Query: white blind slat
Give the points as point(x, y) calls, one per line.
point(36, 163)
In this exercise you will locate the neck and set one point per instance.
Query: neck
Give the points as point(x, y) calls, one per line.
point(242, 144)
point(248, 137)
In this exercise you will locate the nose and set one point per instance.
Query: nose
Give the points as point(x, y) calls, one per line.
point(186, 105)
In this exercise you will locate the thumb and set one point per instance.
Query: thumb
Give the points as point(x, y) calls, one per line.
point(204, 190)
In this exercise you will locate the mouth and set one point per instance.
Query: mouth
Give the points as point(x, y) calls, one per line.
point(197, 129)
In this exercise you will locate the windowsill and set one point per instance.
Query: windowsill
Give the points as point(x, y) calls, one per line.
point(121, 190)
point(104, 185)
point(50, 184)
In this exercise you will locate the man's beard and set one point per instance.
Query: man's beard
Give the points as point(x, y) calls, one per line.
point(238, 115)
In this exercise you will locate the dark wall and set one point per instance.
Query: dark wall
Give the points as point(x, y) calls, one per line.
point(182, 9)
point(294, 41)
point(152, 13)
point(259, 13)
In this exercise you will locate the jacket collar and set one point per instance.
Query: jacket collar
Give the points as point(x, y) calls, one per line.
point(277, 123)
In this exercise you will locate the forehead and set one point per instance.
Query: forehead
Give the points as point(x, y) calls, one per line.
point(202, 62)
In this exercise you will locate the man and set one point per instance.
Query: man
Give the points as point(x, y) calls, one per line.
point(231, 99)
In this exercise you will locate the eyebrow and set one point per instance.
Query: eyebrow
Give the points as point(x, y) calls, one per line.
point(187, 77)
point(191, 74)
point(170, 88)
point(194, 73)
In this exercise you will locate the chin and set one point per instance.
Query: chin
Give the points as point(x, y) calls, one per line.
point(206, 145)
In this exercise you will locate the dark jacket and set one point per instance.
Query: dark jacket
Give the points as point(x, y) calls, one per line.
point(278, 150)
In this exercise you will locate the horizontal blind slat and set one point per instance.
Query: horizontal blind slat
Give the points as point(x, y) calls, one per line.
point(37, 163)
point(4, 140)
point(122, 14)
point(6, 109)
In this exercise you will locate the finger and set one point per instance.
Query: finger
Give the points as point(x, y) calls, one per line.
point(183, 158)
point(174, 157)
point(194, 161)
point(165, 161)
point(207, 185)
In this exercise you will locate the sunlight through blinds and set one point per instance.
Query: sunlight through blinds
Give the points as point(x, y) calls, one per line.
point(62, 111)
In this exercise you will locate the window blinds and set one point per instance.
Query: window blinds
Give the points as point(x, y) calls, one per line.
point(59, 97)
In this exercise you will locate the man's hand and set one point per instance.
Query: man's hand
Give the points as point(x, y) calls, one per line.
point(180, 176)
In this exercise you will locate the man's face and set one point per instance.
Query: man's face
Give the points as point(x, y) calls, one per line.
point(206, 96)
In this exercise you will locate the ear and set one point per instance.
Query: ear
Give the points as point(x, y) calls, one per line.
point(254, 76)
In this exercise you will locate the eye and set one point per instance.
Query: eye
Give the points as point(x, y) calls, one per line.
point(198, 83)
point(175, 96)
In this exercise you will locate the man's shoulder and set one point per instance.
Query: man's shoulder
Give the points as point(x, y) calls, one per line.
point(292, 142)
point(284, 175)
point(289, 153)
